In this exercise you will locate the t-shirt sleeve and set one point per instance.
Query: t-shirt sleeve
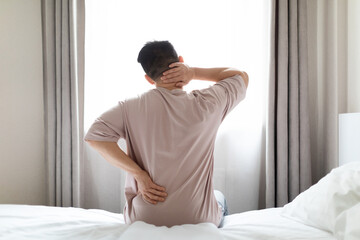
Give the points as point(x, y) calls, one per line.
point(109, 127)
point(228, 92)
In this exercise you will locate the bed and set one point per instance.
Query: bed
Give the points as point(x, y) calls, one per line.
point(328, 210)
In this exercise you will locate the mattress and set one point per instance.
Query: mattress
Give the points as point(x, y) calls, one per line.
point(43, 222)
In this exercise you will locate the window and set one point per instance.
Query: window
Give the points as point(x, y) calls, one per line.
point(207, 34)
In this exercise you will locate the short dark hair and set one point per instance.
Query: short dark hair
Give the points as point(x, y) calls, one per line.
point(156, 56)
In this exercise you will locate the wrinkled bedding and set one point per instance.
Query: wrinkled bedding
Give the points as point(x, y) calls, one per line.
point(42, 222)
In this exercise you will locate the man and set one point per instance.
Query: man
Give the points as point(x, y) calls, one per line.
point(170, 136)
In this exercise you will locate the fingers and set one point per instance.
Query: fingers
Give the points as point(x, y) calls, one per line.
point(147, 199)
point(150, 191)
point(176, 70)
point(180, 74)
point(157, 187)
point(154, 194)
point(176, 64)
point(158, 193)
point(172, 70)
point(173, 80)
point(154, 197)
point(171, 76)
point(177, 76)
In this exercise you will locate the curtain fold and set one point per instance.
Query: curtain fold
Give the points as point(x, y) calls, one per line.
point(288, 160)
point(328, 79)
point(63, 24)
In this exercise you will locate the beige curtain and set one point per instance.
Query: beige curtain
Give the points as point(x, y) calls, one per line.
point(288, 161)
point(328, 81)
point(63, 59)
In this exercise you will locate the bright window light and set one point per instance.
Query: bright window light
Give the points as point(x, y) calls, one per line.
point(221, 33)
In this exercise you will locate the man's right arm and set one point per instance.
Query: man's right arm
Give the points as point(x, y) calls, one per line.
point(182, 74)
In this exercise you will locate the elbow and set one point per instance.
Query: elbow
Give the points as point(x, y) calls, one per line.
point(245, 76)
point(98, 146)
point(90, 142)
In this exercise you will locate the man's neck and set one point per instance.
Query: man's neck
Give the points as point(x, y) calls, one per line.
point(169, 86)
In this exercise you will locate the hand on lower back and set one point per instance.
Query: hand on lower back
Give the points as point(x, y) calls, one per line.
point(150, 191)
point(180, 73)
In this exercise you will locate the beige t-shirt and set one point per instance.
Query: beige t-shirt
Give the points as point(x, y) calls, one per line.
point(171, 134)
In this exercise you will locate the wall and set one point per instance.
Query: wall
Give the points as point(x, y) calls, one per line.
point(353, 56)
point(22, 164)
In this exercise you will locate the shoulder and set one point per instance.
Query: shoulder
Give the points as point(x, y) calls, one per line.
point(231, 85)
point(139, 103)
point(130, 101)
point(238, 82)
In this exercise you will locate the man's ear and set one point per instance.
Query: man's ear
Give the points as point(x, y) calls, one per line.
point(149, 79)
point(181, 59)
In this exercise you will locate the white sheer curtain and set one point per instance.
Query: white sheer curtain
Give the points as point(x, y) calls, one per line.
point(207, 34)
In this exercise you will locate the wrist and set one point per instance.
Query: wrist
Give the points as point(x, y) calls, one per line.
point(192, 73)
point(138, 173)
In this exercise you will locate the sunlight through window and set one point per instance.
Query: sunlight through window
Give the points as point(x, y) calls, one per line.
point(207, 34)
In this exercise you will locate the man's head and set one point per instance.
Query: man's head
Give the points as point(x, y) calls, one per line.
point(155, 58)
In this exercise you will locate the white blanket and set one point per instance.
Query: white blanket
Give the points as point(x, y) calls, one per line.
point(270, 225)
point(40, 222)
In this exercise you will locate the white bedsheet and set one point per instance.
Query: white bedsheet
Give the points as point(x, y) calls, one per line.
point(269, 224)
point(41, 222)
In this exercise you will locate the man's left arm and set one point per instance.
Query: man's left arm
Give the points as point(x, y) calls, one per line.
point(103, 136)
point(150, 191)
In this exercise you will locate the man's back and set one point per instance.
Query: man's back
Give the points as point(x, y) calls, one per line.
point(171, 135)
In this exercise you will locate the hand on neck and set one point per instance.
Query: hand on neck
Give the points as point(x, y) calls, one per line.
point(159, 83)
